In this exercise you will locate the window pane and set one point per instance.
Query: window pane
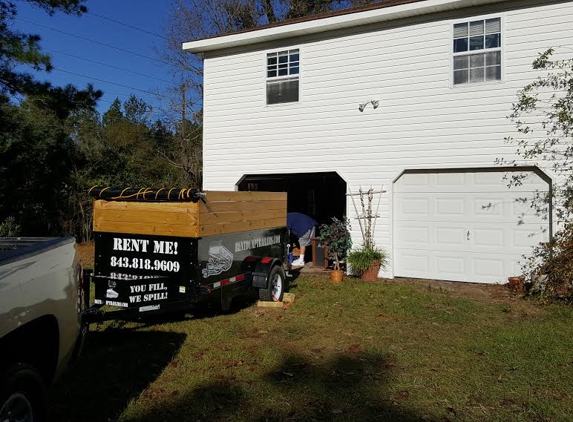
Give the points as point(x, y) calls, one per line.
point(476, 28)
point(294, 70)
point(493, 73)
point(271, 60)
point(294, 57)
point(283, 57)
point(283, 72)
point(460, 30)
point(271, 73)
point(492, 41)
point(476, 43)
point(492, 59)
point(476, 75)
point(492, 25)
point(477, 60)
point(461, 62)
point(460, 77)
point(283, 91)
point(460, 45)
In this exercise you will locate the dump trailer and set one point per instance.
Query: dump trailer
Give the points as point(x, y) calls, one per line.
point(173, 250)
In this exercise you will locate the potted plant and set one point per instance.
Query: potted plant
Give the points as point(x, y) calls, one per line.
point(336, 236)
point(367, 261)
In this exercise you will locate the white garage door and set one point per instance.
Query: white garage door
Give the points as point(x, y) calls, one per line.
point(464, 226)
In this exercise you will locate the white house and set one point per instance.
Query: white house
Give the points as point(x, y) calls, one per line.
point(290, 107)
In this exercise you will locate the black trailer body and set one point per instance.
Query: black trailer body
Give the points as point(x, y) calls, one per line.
point(159, 273)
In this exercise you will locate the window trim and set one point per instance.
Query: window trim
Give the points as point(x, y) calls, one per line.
point(274, 78)
point(501, 49)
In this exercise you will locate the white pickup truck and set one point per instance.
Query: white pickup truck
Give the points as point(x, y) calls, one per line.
point(41, 300)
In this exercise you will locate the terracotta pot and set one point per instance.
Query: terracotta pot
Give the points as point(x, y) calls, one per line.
point(371, 274)
point(336, 276)
point(516, 284)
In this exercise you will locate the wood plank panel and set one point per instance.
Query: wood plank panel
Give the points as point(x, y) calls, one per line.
point(244, 196)
point(153, 218)
point(225, 228)
point(235, 217)
point(230, 206)
point(144, 228)
point(150, 217)
point(180, 207)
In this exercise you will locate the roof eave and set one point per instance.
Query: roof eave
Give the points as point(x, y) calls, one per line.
point(314, 26)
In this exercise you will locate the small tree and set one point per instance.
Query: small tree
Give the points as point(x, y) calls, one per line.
point(336, 236)
point(545, 106)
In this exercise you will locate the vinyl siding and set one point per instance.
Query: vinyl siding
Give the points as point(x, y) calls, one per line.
point(422, 121)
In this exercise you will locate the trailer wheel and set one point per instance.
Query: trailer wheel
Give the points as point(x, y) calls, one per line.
point(275, 287)
point(22, 395)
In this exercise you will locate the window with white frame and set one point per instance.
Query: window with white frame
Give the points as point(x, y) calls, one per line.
point(283, 69)
point(477, 51)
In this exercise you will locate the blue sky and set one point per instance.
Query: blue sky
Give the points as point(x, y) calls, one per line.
point(69, 53)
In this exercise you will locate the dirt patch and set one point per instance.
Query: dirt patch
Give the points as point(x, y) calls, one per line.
point(86, 251)
point(457, 288)
point(492, 293)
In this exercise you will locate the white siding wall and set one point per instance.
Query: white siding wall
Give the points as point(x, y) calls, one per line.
point(422, 122)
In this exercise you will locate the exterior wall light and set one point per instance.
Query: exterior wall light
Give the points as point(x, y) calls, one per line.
point(374, 103)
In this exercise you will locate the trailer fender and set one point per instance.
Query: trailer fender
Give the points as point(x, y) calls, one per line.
point(262, 271)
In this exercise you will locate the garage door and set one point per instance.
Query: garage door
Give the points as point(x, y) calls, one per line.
point(464, 225)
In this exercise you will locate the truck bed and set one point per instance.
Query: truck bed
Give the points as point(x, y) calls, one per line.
point(14, 248)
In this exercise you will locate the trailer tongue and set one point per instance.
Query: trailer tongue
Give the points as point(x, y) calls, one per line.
point(167, 250)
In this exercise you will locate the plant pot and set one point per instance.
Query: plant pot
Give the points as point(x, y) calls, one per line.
point(516, 284)
point(336, 276)
point(371, 274)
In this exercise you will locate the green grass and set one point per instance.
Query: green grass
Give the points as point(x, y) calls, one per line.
point(349, 352)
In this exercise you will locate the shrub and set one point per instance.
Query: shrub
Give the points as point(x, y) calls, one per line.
point(9, 228)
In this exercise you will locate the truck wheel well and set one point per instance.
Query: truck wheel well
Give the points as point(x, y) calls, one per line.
point(35, 343)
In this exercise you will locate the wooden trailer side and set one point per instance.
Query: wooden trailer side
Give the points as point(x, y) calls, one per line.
point(152, 218)
point(230, 212)
point(221, 213)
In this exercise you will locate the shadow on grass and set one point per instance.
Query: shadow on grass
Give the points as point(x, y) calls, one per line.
point(348, 387)
point(116, 366)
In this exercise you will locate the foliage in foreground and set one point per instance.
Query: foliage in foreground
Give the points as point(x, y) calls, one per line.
point(545, 106)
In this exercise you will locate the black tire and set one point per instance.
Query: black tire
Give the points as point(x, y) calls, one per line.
point(276, 286)
point(22, 395)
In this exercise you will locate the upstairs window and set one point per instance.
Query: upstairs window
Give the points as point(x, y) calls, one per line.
point(477, 51)
point(283, 69)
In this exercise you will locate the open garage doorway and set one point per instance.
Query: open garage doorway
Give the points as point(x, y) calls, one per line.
point(319, 195)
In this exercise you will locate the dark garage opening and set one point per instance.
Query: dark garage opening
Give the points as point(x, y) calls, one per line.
point(320, 195)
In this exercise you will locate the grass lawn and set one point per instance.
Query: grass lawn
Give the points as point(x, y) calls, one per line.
point(403, 351)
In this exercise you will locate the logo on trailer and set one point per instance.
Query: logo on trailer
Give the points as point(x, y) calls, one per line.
point(112, 294)
point(220, 260)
